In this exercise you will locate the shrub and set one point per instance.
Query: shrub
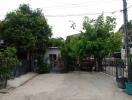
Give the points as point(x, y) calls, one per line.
point(8, 61)
point(43, 68)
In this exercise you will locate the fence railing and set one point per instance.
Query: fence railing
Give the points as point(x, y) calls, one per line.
point(113, 66)
point(26, 66)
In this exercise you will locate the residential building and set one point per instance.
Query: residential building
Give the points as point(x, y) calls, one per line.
point(52, 55)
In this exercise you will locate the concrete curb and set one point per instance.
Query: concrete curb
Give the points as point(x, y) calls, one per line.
point(4, 91)
point(28, 80)
point(10, 88)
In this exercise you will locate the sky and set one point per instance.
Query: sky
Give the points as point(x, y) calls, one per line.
point(61, 14)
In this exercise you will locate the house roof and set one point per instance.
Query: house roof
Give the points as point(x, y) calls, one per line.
point(53, 48)
point(72, 36)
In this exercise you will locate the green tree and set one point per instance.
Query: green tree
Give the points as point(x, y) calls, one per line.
point(100, 39)
point(56, 42)
point(72, 50)
point(26, 29)
point(8, 61)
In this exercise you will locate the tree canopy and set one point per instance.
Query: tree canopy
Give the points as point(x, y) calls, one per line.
point(100, 37)
point(26, 29)
point(56, 42)
point(97, 33)
point(97, 40)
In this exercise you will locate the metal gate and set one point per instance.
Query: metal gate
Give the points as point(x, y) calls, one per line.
point(113, 66)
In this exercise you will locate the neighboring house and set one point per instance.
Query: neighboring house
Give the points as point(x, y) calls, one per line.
point(129, 39)
point(52, 55)
point(72, 36)
point(129, 42)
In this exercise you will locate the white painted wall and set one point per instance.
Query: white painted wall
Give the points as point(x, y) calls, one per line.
point(51, 51)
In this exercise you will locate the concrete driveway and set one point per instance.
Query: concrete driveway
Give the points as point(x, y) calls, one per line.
point(71, 86)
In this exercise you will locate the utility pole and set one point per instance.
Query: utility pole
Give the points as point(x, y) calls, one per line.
point(125, 15)
point(125, 30)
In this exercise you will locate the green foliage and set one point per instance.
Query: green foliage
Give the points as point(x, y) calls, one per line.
point(8, 61)
point(75, 47)
point(97, 39)
point(115, 42)
point(56, 42)
point(26, 29)
point(100, 37)
point(42, 67)
point(72, 50)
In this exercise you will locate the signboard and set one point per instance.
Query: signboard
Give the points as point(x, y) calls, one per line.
point(122, 53)
point(130, 50)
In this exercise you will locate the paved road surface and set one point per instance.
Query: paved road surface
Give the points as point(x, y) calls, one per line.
point(71, 86)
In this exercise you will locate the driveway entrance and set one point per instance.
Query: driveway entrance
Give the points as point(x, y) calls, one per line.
point(71, 86)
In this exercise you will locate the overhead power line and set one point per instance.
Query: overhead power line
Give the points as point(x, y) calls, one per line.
point(85, 14)
point(74, 5)
point(68, 6)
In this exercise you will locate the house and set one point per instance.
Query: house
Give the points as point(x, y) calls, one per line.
point(127, 70)
point(129, 39)
point(73, 36)
point(52, 55)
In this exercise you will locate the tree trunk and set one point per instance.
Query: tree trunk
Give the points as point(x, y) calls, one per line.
point(98, 66)
point(29, 58)
point(3, 83)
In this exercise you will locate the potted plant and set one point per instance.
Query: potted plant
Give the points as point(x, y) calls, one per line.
point(129, 88)
point(8, 61)
point(121, 80)
point(129, 84)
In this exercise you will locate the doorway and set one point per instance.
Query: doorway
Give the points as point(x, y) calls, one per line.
point(53, 58)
